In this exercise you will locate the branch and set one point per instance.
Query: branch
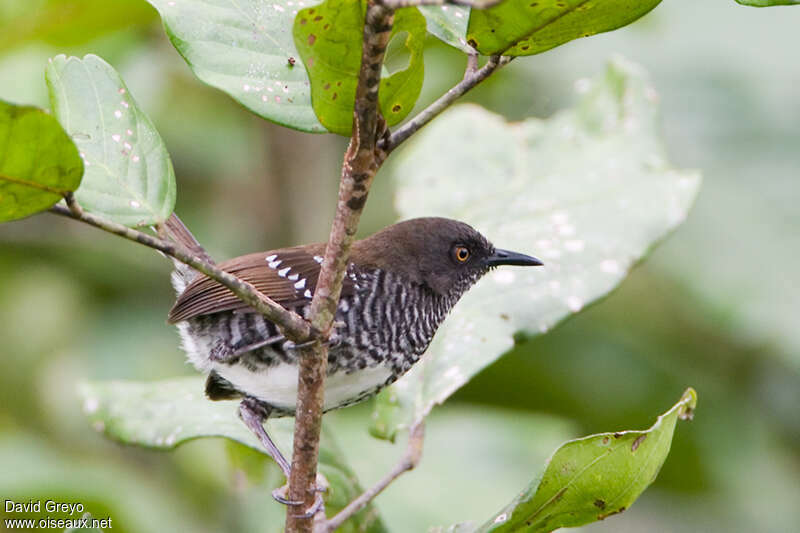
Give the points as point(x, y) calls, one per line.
point(471, 79)
point(408, 462)
point(293, 324)
point(361, 161)
point(475, 4)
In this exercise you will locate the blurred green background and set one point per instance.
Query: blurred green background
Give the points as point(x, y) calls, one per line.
point(716, 307)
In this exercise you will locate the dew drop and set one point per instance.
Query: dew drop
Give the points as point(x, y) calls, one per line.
point(609, 266)
point(118, 113)
point(117, 137)
point(135, 204)
point(559, 217)
point(124, 104)
point(129, 132)
point(135, 158)
point(121, 90)
point(574, 304)
point(574, 246)
point(566, 230)
point(583, 85)
point(90, 405)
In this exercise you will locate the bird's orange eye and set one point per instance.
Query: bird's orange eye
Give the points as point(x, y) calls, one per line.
point(461, 253)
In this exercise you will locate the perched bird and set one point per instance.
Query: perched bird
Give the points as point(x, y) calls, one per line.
point(400, 284)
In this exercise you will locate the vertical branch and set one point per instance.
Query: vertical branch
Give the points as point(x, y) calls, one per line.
point(361, 161)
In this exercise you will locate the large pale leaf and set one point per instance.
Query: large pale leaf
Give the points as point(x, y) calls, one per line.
point(128, 174)
point(164, 414)
point(522, 27)
point(594, 477)
point(245, 48)
point(39, 163)
point(588, 191)
point(329, 39)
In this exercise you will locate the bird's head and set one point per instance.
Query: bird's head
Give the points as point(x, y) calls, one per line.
point(446, 255)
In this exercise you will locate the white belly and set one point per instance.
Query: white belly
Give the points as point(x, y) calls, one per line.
point(277, 385)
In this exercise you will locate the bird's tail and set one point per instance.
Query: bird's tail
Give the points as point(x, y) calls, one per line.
point(175, 230)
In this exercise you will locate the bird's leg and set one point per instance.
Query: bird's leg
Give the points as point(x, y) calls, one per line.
point(254, 413)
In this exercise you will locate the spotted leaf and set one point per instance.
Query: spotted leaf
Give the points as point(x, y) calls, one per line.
point(329, 39)
point(522, 27)
point(592, 478)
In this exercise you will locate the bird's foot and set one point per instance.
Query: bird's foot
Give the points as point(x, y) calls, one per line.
point(281, 496)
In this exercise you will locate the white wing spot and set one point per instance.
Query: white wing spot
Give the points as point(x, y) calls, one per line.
point(307, 294)
point(274, 264)
point(318, 259)
point(271, 258)
point(300, 284)
point(294, 277)
point(282, 272)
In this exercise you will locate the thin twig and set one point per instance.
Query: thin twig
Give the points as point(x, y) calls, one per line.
point(409, 461)
point(475, 4)
point(361, 162)
point(293, 325)
point(472, 65)
point(426, 115)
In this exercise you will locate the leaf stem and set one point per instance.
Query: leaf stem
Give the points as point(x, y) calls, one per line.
point(409, 461)
point(293, 325)
point(472, 77)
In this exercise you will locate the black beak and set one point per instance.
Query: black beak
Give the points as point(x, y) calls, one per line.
point(506, 257)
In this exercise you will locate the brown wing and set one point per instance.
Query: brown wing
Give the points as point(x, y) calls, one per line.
point(288, 276)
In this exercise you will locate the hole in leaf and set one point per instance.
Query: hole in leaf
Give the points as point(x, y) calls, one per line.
point(397, 56)
point(396, 108)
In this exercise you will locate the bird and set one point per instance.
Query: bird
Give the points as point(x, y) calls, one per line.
point(399, 285)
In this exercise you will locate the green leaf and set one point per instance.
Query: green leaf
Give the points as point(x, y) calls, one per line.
point(522, 27)
point(449, 24)
point(39, 163)
point(594, 477)
point(768, 3)
point(588, 191)
point(128, 174)
point(246, 50)
point(167, 413)
point(329, 38)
